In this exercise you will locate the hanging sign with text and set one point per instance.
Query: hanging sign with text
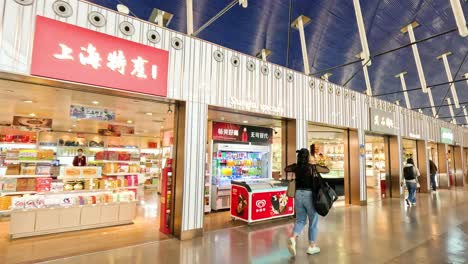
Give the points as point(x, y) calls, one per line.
point(67, 52)
point(238, 133)
point(382, 122)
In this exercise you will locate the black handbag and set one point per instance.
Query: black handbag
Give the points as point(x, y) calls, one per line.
point(324, 196)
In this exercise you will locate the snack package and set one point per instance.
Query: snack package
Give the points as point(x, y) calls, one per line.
point(12, 155)
point(30, 201)
point(57, 186)
point(43, 169)
point(43, 184)
point(9, 185)
point(71, 172)
point(40, 201)
point(89, 172)
point(5, 202)
point(27, 154)
point(13, 169)
point(17, 202)
point(122, 167)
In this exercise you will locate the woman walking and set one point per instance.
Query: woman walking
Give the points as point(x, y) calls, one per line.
point(306, 184)
point(411, 174)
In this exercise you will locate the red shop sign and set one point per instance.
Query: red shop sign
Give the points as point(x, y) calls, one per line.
point(67, 52)
point(271, 204)
point(238, 133)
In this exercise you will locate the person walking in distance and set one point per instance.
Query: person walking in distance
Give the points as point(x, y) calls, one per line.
point(411, 174)
point(306, 184)
point(433, 172)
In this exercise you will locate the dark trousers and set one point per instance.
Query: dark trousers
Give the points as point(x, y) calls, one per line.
point(433, 181)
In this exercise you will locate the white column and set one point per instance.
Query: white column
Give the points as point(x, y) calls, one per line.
point(450, 78)
point(196, 118)
point(189, 17)
point(362, 167)
point(301, 134)
point(417, 58)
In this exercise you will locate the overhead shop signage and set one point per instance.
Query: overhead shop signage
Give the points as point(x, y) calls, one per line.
point(94, 113)
point(32, 123)
point(238, 133)
point(252, 106)
point(446, 136)
point(67, 52)
point(382, 122)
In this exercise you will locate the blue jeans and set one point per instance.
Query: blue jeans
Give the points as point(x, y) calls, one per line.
point(433, 181)
point(412, 191)
point(304, 207)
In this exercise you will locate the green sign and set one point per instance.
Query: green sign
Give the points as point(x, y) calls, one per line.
point(446, 135)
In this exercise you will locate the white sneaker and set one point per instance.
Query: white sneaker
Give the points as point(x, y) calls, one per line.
point(313, 250)
point(292, 246)
point(413, 204)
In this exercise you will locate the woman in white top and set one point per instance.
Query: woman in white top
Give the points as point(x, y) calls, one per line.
point(411, 174)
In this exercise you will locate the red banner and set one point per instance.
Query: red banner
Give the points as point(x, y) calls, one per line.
point(238, 133)
point(239, 202)
point(271, 204)
point(67, 52)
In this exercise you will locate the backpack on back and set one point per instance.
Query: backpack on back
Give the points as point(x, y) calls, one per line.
point(408, 173)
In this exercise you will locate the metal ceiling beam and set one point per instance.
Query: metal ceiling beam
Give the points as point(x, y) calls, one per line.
point(450, 77)
point(409, 28)
point(299, 24)
point(213, 19)
point(459, 17)
point(189, 17)
point(403, 86)
point(362, 31)
point(454, 120)
point(419, 88)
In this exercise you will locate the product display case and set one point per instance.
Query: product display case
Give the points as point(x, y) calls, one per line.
point(332, 155)
point(375, 164)
point(260, 200)
point(236, 162)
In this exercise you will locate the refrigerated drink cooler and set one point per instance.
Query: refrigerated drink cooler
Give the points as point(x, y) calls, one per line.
point(237, 162)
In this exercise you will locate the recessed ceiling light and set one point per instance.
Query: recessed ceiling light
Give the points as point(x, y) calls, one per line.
point(129, 121)
point(162, 126)
point(28, 101)
point(73, 125)
point(222, 118)
point(78, 120)
point(10, 91)
point(123, 9)
point(149, 113)
point(95, 102)
point(32, 114)
point(245, 121)
point(69, 130)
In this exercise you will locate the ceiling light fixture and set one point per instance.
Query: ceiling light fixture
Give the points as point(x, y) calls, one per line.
point(123, 9)
point(245, 121)
point(129, 121)
point(244, 3)
point(149, 114)
point(95, 102)
point(169, 110)
point(32, 114)
point(28, 101)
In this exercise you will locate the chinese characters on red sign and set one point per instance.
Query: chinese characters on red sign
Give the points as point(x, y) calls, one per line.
point(238, 133)
point(67, 52)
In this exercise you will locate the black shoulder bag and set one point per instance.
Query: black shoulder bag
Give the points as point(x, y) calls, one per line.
point(323, 196)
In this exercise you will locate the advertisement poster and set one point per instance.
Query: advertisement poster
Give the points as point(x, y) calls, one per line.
point(121, 129)
point(239, 202)
point(271, 204)
point(33, 123)
point(67, 52)
point(239, 133)
point(93, 113)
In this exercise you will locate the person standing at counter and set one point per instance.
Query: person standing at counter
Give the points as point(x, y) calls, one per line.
point(304, 207)
point(80, 159)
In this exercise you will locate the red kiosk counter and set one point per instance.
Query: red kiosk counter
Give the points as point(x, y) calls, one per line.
point(260, 200)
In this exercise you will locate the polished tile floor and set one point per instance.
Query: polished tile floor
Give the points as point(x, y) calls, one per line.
point(435, 231)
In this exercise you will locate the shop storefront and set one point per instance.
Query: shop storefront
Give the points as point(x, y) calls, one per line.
point(244, 168)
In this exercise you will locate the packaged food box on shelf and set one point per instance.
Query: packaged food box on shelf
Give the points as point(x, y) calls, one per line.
point(13, 169)
point(43, 184)
point(9, 185)
point(80, 172)
point(28, 169)
point(27, 154)
point(57, 186)
point(46, 154)
point(26, 185)
point(73, 185)
point(43, 169)
point(91, 184)
point(5, 202)
point(12, 155)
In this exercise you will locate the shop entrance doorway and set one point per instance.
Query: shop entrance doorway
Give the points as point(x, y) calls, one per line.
point(377, 167)
point(245, 159)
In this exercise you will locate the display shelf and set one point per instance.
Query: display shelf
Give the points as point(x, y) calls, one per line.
point(5, 211)
point(24, 176)
point(121, 174)
point(28, 161)
point(3, 193)
point(77, 178)
point(118, 161)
